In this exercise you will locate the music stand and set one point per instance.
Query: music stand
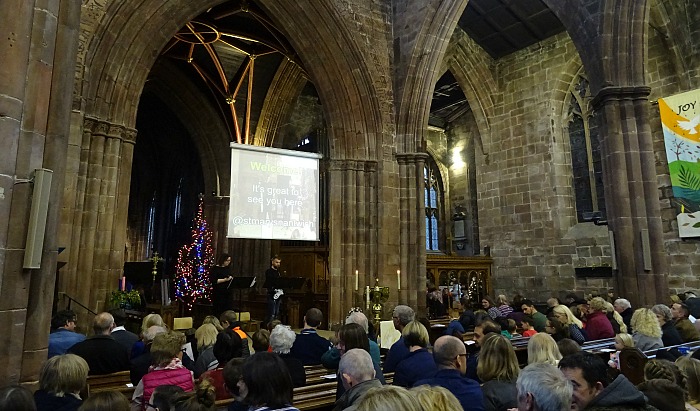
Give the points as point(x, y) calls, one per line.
point(240, 284)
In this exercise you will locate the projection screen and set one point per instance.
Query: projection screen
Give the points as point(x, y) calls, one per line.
point(274, 194)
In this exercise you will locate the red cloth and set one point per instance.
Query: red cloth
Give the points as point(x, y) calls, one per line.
point(217, 379)
point(598, 326)
point(529, 333)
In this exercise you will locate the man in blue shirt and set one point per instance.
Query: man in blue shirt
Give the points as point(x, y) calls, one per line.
point(309, 346)
point(63, 335)
point(450, 355)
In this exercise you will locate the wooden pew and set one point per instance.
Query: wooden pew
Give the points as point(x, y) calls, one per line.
point(632, 360)
point(118, 381)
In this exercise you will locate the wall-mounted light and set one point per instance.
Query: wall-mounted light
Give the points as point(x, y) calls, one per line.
point(457, 161)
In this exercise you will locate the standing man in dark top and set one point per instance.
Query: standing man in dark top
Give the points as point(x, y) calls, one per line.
point(273, 293)
point(220, 276)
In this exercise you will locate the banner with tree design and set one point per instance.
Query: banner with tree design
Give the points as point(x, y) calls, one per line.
point(680, 118)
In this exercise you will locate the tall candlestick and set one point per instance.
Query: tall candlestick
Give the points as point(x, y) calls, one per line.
point(357, 280)
point(398, 279)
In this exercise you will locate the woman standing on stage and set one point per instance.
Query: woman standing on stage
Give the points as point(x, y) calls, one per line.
point(220, 275)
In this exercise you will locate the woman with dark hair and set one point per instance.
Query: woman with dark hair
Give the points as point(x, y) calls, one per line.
point(16, 398)
point(490, 307)
point(266, 383)
point(220, 276)
point(227, 346)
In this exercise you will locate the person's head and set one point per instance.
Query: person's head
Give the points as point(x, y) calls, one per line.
point(543, 348)
point(435, 398)
point(567, 346)
point(224, 260)
point(501, 300)
point(621, 304)
point(679, 311)
point(690, 368)
point(352, 336)
point(106, 401)
point(552, 302)
point(597, 304)
point(228, 345)
point(63, 374)
point(203, 398)
point(164, 395)
point(483, 328)
point(450, 353)
point(206, 336)
point(623, 340)
point(388, 398)
point(487, 302)
point(415, 334)
point(355, 367)
point(267, 380)
point(663, 313)
point(357, 317)
point(313, 318)
point(663, 394)
point(261, 340)
point(497, 360)
point(588, 374)
point(166, 347)
point(16, 398)
point(151, 320)
point(663, 369)
point(64, 319)
point(275, 262)
point(526, 322)
point(644, 322)
point(233, 372)
point(565, 316)
point(272, 324)
point(542, 387)
point(103, 324)
point(402, 315)
point(281, 339)
point(151, 333)
point(119, 316)
point(210, 319)
point(229, 319)
point(528, 307)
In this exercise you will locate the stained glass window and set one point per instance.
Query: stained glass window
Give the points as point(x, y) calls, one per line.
point(433, 202)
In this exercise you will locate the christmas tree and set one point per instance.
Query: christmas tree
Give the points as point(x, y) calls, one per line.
point(192, 282)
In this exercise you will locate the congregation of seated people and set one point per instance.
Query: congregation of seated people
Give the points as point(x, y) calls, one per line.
point(220, 362)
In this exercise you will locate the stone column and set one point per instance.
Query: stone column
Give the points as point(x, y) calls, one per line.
point(353, 238)
point(631, 193)
point(412, 220)
point(99, 211)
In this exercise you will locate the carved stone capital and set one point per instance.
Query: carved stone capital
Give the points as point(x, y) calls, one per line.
point(620, 93)
point(411, 158)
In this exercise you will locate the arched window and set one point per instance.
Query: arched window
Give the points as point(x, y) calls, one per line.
point(434, 201)
point(585, 152)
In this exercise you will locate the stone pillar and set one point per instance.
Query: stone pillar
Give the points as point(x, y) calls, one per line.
point(99, 211)
point(353, 238)
point(35, 82)
point(631, 193)
point(412, 235)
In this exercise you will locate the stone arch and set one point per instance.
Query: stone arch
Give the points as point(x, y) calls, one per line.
point(469, 65)
point(670, 33)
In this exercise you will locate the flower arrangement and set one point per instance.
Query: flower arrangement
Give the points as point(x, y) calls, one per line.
point(125, 299)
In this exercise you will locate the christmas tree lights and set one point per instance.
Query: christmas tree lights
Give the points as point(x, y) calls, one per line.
point(192, 282)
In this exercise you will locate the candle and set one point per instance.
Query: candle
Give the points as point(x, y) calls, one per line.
point(398, 279)
point(357, 280)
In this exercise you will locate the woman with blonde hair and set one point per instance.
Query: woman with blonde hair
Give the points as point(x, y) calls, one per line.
point(388, 398)
point(498, 369)
point(148, 321)
point(60, 381)
point(210, 319)
point(419, 363)
point(598, 326)
point(647, 331)
point(690, 368)
point(435, 398)
point(543, 349)
point(573, 325)
point(615, 319)
point(206, 337)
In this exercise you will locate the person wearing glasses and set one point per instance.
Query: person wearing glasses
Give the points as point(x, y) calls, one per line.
point(450, 356)
point(63, 335)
